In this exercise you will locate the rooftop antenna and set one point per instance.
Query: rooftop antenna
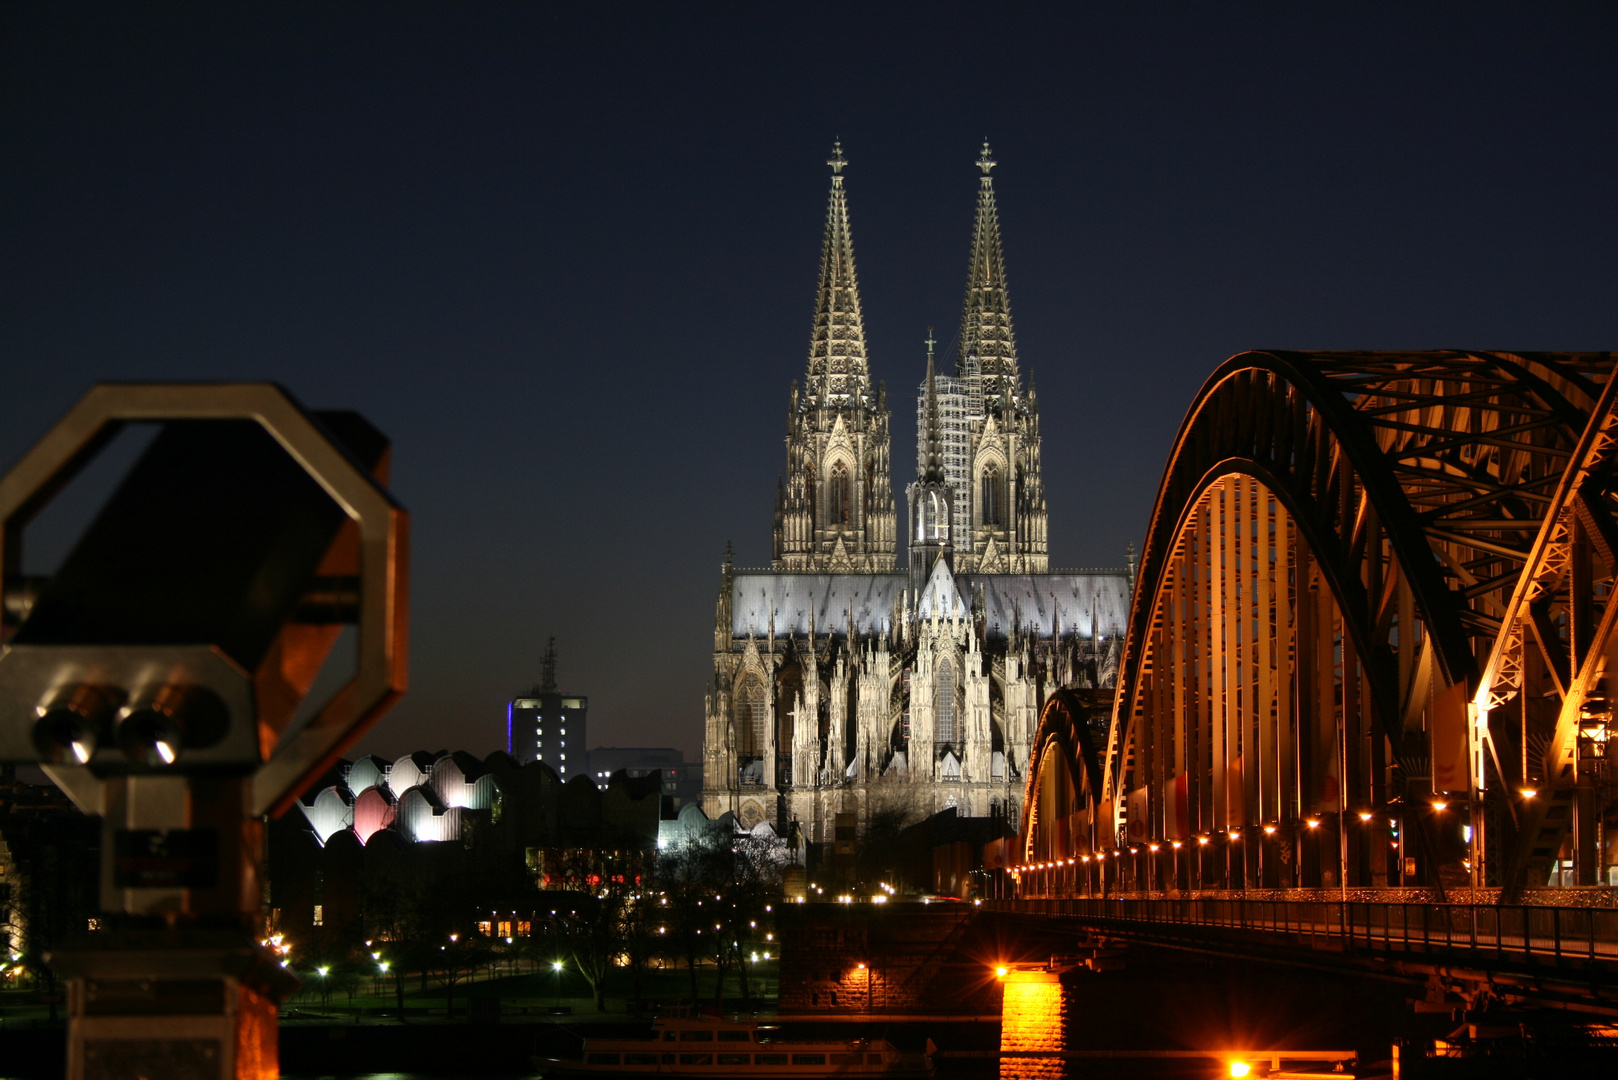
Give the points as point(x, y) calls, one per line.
point(548, 683)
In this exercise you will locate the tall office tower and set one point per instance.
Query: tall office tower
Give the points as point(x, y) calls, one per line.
point(547, 725)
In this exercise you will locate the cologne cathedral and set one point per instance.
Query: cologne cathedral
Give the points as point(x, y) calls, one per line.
point(845, 686)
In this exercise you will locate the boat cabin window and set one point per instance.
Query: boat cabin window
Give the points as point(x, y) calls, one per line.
point(601, 1059)
point(769, 1059)
point(873, 1059)
point(733, 1059)
point(808, 1059)
point(845, 1059)
point(696, 1036)
point(734, 1036)
point(668, 1036)
point(696, 1059)
point(640, 1059)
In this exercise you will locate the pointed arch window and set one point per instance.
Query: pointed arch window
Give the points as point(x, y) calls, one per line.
point(993, 497)
point(837, 495)
point(749, 718)
point(944, 704)
point(809, 484)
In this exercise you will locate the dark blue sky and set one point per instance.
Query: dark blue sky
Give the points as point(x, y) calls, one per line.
point(565, 255)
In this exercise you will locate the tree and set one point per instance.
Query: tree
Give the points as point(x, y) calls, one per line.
point(457, 961)
point(880, 856)
point(717, 889)
point(757, 865)
point(639, 919)
point(589, 932)
point(690, 876)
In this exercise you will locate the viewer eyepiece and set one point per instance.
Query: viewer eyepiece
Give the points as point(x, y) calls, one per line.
point(156, 728)
point(70, 724)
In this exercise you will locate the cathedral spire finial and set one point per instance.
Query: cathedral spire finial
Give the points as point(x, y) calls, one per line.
point(837, 364)
point(986, 314)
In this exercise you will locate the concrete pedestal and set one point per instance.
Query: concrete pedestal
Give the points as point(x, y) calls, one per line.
point(172, 1005)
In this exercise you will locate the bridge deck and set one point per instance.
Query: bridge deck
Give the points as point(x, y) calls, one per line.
point(1489, 934)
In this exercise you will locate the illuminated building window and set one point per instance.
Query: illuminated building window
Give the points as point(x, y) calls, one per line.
point(993, 498)
point(945, 703)
point(525, 928)
point(505, 927)
point(750, 716)
point(320, 915)
point(485, 927)
point(837, 492)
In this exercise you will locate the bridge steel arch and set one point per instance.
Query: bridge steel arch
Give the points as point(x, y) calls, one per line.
point(1347, 554)
point(1064, 786)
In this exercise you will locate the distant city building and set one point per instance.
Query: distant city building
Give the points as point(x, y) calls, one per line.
point(547, 725)
point(680, 778)
point(845, 685)
point(454, 833)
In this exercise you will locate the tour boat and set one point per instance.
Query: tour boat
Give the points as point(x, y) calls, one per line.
point(710, 1046)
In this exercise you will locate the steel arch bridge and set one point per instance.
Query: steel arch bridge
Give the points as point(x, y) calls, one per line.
point(1368, 640)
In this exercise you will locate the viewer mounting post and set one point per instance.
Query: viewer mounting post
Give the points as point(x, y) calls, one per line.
point(156, 677)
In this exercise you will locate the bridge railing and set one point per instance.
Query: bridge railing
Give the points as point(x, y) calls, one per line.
point(1521, 933)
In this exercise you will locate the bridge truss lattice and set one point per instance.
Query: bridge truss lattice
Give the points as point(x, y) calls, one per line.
point(1369, 626)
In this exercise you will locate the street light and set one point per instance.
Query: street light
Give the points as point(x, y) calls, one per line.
point(1595, 720)
point(1594, 715)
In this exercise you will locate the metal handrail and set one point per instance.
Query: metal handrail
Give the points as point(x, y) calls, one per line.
point(1523, 932)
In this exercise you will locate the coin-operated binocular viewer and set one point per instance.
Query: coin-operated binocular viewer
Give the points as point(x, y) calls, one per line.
point(159, 676)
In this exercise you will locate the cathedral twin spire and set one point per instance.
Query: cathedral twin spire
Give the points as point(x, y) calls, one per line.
point(834, 510)
point(837, 365)
point(986, 333)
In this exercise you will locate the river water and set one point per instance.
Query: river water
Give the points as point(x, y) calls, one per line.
point(1166, 1015)
point(1036, 1026)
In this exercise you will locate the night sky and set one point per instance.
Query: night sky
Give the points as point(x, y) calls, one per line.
point(565, 256)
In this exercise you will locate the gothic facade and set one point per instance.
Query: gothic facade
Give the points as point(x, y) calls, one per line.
point(844, 684)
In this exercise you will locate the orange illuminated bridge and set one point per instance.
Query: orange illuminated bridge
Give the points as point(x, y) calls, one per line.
point(1364, 689)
